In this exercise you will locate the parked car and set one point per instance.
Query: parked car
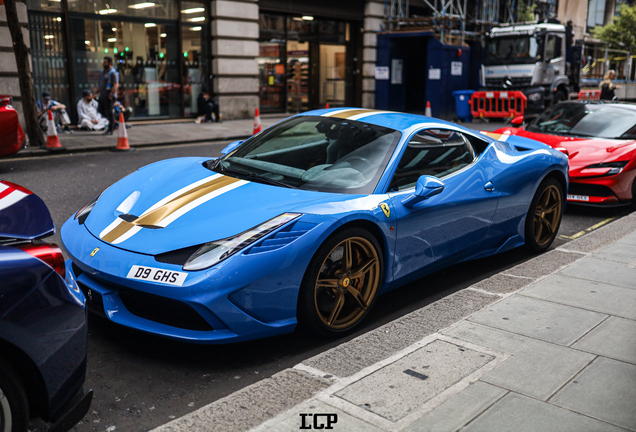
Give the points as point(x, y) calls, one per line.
point(11, 134)
point(307, 223)
point(42, 320)
point(600, 139)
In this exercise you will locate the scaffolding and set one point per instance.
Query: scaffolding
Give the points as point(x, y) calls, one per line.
point(454, 21)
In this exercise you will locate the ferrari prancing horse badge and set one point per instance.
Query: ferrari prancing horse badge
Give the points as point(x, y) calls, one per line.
point(385, 208)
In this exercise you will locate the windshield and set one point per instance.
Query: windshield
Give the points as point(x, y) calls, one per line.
point(512, 50)
point(315, 153)
point(597, 120)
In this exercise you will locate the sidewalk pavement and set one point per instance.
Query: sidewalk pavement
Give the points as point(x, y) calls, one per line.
point(548, 345)
point(140, 135)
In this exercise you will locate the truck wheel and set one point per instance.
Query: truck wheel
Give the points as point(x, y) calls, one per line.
point(558, 97)
point(14, 408)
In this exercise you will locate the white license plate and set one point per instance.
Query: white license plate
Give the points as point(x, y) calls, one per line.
point(153, 274)
point(578, 197)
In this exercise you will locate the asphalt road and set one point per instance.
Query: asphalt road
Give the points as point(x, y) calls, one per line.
point(141, 381)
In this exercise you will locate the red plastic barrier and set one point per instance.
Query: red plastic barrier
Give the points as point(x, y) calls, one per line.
point(11, 133)
point(589, 95)
point(498, 104)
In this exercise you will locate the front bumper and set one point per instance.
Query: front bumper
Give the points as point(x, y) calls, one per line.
point(601, 191)
point(248, 296)
point(73, 411)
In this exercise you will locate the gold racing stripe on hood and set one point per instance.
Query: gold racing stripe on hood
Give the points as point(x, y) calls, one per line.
point(154, 217)
point(118, 231)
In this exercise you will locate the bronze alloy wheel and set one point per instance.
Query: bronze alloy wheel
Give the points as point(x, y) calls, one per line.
point(544, 215)
point(347, 283)
point(547, 215)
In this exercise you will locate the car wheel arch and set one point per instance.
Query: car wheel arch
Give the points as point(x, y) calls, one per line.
point(558, 176)
point(30, 377)
point(369, 226)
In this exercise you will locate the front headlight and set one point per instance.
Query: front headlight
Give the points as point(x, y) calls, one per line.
point(214, 252)
point(85, 210)
point(616, 167)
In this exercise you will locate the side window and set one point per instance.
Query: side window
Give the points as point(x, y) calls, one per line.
point(553, 48)
point(434, 152)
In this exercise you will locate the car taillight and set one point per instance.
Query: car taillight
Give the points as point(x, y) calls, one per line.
point(49, 253)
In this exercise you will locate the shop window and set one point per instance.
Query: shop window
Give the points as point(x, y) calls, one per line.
point(48, 56)
point(145, 55)
point(195, 53)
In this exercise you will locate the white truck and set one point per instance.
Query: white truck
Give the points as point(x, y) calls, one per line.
point(530, 58)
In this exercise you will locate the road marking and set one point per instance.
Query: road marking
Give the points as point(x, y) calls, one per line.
point(587, 230)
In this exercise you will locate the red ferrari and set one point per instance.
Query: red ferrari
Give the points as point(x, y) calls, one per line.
point(600, 139)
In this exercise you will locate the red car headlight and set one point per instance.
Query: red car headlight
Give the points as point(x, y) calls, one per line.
point(615, 167)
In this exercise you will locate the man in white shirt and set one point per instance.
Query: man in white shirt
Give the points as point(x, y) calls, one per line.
point(88, 117)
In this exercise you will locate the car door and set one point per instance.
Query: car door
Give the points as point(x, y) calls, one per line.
point(445, 226)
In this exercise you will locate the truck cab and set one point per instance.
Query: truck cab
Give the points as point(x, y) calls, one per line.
point(529, 58)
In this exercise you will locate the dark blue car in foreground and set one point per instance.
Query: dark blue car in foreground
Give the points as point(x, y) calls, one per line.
point(42, 321)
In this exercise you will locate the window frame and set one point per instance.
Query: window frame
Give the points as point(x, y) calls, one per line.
point(467, 141)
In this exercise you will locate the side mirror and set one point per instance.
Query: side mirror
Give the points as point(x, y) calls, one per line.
point(426, 187)
point(231, 146)
point(517, 121)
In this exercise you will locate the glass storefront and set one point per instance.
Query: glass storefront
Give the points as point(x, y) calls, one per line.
point(303, 63)
point(160, 49)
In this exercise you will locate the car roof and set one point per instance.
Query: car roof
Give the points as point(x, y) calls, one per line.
point(626, 105)
point(390, 119)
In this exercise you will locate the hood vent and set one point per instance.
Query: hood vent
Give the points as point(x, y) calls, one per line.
point(128, 217)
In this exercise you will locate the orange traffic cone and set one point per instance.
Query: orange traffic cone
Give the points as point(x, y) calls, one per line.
point(327, 105)
point(52, 141)
point(428, 113)
point(257, 123)
point(122, 136)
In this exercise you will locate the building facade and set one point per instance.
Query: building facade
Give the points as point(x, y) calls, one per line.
point(284, 56)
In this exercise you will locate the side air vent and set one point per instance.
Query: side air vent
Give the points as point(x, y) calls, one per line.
point(282, 238)
point(521, 149)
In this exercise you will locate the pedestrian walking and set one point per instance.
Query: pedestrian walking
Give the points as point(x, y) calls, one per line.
point(107, 84)
point(607, 86)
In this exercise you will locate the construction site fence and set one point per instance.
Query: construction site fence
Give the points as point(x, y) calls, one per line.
point(498, 104)
point(589, 95)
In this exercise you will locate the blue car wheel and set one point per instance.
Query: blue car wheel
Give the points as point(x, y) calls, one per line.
point(14, 408)
point(544, 217)
point(341, 283)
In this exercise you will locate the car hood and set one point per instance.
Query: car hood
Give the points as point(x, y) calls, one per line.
point(23, 215)
point(179, 203)
point(583, 151)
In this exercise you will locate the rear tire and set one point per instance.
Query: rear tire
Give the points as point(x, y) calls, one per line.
point(14, 406)
point(544, 216)
point(341, 283)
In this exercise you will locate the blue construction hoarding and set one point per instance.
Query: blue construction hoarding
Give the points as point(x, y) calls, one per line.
point(414, 67)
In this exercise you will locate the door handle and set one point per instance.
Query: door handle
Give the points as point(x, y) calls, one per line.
point(489, 187)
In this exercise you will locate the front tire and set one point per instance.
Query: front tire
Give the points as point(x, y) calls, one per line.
point(14, 407)
point(558, 97)
point(544, 216)
point(341, 283)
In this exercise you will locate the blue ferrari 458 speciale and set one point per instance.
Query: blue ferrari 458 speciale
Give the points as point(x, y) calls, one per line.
point(307, 223)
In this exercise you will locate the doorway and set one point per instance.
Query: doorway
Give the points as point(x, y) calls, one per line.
point(332, 75)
